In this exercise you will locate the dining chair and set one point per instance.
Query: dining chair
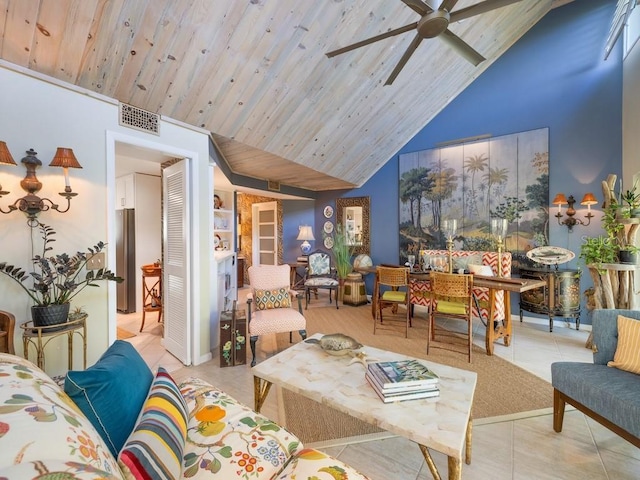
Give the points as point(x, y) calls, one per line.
point(392, 290)
point(320, 274)
point(7, 327)
point(269, 304)
point(451, 298)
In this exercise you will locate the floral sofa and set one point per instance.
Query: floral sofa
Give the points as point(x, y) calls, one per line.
point(191, 430)
point(467, 260)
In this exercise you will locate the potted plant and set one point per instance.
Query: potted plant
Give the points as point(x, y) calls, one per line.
point(598, 250)
point(632, 199)
point(342, 253)
point(57, 279)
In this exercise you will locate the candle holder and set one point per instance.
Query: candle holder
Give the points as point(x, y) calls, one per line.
point(449, 227)
point(499, 232)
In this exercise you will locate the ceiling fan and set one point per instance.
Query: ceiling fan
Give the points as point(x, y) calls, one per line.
point(434, 23)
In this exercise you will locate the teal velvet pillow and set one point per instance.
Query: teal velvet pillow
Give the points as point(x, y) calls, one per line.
point(111, 392)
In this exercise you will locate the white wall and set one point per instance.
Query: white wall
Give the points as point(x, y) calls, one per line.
point(631, 103)
point(43, 113)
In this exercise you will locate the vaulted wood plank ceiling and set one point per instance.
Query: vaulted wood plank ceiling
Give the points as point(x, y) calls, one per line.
point(255, 73)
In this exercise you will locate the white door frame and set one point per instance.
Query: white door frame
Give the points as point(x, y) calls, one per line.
point(193, 232)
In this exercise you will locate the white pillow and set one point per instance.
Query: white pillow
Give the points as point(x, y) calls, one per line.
point(484, 270)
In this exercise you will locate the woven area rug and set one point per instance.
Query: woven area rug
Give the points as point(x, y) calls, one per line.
point(502, 389)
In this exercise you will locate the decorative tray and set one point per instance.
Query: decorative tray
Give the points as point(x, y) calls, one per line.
point(549, 255)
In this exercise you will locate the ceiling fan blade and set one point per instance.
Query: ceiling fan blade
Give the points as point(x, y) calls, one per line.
point(448, 5)
point(382, 36)
point(479, 8)
point(461, 47)
point(418, 6)
point(405, 58)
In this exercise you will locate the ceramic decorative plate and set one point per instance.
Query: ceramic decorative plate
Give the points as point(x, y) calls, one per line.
point(328, 211)
point(328, 227)
point(328, 242)
point(550, 255)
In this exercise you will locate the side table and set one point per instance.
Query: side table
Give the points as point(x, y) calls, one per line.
point(41, 336)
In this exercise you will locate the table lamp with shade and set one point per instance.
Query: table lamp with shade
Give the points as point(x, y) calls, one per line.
point(305, 233)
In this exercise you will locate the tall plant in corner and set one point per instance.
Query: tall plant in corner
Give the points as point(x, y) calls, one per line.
point(58, 278)
point(342, 252)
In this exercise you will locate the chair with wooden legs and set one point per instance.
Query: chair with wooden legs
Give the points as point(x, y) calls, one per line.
point(451, 298)
point(7, 327)
point(392, 290)
point(270, 307)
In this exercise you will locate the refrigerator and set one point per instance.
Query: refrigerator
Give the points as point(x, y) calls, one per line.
point(126, 260)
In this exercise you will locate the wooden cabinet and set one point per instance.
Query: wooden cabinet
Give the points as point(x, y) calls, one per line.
point(240, 272)
point(560, 297)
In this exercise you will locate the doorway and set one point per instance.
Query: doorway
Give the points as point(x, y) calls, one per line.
point(265, 233)
point(133, 156)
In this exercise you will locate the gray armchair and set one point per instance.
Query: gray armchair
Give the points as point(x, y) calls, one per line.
point(608, 395)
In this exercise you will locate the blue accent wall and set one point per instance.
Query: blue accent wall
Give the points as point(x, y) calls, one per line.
point(555, 77)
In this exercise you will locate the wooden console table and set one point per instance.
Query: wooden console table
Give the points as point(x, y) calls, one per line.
point(41, 336)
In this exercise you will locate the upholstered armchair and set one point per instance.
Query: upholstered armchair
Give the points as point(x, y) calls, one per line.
point(269, 304)
point(320, 274)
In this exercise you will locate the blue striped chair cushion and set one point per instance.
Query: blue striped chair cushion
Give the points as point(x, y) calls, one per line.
point(155, 448)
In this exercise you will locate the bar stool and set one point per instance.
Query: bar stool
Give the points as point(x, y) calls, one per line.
point(151, 291)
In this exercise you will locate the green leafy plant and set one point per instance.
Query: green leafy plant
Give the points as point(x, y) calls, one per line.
point(598, 250)
point(58, 278)
point(342, 252)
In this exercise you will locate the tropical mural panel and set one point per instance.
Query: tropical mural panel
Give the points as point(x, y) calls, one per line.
point(504, 177)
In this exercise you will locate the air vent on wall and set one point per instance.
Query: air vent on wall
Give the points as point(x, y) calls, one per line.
point(134, 117)
point(273, 185)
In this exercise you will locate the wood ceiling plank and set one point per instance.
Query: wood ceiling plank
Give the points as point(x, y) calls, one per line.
point(18, 34)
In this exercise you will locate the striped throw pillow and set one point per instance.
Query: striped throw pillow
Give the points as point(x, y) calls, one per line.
point(155, 447)
point(627, 356)
point(277, 298)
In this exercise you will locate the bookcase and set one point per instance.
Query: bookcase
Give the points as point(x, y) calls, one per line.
point(224, 221)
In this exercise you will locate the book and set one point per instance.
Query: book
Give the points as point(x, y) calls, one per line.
point(401, 397)
point(402, 373)
point(396, 388)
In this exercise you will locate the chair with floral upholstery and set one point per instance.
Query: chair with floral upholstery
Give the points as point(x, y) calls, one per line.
point(269, 304)
point(320, 274)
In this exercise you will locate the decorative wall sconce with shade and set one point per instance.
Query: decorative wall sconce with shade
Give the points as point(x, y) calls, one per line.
point(31, 204)
point(305, 234)
point(588, 200)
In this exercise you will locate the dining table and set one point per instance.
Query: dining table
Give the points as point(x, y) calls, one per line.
point(495, 330)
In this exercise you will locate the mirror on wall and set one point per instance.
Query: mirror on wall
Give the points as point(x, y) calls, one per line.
point(353, 214)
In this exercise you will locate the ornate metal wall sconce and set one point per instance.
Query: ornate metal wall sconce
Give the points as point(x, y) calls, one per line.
point(31, 204)
point(588, 200)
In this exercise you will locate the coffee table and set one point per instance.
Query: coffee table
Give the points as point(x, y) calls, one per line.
point(440, 423)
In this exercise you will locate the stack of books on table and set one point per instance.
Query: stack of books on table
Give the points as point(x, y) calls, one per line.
point(402, 380)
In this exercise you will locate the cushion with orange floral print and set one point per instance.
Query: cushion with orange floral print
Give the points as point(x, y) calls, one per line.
point(230, 440)
point(42, 430)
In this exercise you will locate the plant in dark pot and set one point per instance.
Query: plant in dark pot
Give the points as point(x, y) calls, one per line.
point(57, 279)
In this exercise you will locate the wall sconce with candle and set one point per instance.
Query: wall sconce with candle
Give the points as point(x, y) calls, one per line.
point(560, 199)
point(31, 204)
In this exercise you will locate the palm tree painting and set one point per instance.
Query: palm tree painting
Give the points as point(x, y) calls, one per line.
point(505, 177)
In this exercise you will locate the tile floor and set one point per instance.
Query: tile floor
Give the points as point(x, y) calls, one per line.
point(503, 448)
